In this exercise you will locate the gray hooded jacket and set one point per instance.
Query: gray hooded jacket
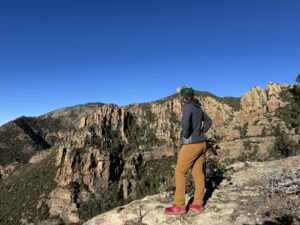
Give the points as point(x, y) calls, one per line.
point(192, 118)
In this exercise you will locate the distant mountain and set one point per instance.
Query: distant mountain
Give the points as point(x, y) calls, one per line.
point(20, 139)
point(74, 163)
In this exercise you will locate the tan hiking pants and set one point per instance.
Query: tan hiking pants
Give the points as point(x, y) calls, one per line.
point(190, 156)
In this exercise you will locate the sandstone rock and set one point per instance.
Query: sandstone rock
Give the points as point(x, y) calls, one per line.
point(128, 187)
point(71, 214)
point(274, 100)
point(60, 202)
point(125, 188)
point(39, 157)
point(253, 127)
point(253, 131)
point(25, 222)
point(49, 222)
point(82, 122)
point(232, 134)
point(236, 166)
point(157, 152)
point(254, 101)
point(6, 171)
point(90, 166)
point(111, 117)
point(273, 89)
point(220, 112)
point(42, 200)
point(257, 101)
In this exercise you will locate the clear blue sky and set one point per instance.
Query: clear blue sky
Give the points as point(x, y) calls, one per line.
point(56, 53)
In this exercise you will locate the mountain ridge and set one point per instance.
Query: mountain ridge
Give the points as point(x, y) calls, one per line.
point(72, 115)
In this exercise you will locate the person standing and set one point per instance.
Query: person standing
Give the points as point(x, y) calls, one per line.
point(195, 123)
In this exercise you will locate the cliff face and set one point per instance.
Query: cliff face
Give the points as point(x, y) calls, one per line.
point(106, 155)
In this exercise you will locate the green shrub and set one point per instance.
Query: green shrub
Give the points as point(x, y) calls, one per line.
point(283, 147)
point(234, 102)
point(247, 144)
point(264, 132)
point(243, 130)
point(101, 201)
point(290, 114)
point(151, 180)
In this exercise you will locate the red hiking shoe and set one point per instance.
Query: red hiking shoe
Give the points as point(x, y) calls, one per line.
point(197, 208)
point(175, 210)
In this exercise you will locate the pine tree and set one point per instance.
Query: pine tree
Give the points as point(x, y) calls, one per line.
point(298, 78)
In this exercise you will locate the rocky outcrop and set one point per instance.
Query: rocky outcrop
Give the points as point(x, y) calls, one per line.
point(84, 158)
point(39, 157)
point(257, 101)
point(130, 175)
point(247, 196)
point(253, 102)
point(111, 117)
point(221, 115)
point(84, 166)
point(91, 167)
point(6, 171)
point(61, 204)
point(255, 127)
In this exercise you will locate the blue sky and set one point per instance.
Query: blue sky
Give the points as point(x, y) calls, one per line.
point(61, 53)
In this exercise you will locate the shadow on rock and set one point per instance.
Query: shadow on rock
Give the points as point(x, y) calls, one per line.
point(214, 173)
point(214, 177)
point(283, 220)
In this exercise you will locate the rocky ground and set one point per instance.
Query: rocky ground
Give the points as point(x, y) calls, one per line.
point(252, 193)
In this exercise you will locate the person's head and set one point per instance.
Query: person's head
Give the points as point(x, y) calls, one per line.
point(186, 93)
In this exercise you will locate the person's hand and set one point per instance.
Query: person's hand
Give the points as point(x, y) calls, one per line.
point(177, 149)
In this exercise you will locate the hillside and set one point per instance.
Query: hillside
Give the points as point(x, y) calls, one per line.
point(22, 138)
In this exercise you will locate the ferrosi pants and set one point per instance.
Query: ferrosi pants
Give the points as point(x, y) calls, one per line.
point(190, 156)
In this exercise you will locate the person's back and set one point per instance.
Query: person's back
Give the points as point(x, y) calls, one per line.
point(192, 128)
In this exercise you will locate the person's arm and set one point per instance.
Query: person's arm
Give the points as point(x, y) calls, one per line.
point(207, 122)
point(186, 121)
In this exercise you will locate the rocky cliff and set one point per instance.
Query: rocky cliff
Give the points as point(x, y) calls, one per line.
point(105, 155)
point(252, 193)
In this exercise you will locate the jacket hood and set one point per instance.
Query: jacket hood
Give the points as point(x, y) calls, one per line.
point(195, 103)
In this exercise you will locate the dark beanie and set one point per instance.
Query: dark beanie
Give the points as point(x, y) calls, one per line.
point(185, 91)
